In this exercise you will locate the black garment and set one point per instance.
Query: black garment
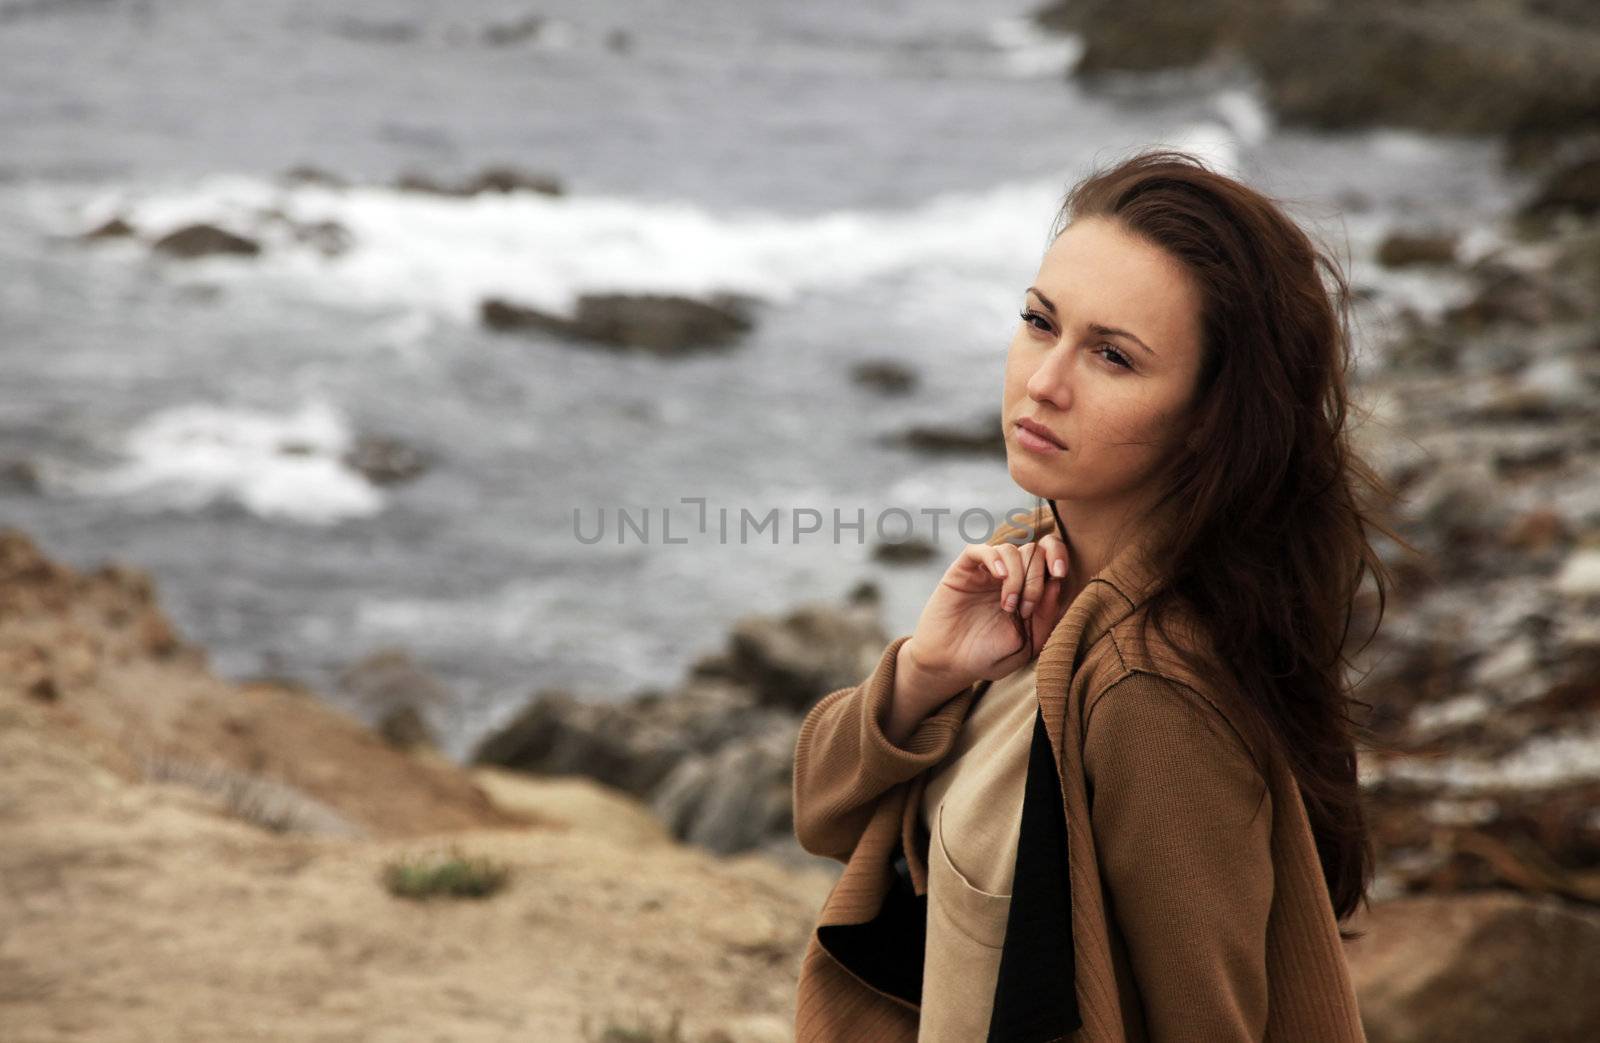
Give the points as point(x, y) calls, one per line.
point(1035, 999)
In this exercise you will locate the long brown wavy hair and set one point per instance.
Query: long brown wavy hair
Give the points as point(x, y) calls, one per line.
point(1273, 509)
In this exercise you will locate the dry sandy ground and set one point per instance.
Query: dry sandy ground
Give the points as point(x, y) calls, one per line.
point(146, 912)
point(137, 909)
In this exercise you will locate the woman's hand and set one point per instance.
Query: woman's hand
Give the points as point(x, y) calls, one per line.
point(968, 629)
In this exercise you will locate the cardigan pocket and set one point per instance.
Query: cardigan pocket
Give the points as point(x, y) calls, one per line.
point(980, 916)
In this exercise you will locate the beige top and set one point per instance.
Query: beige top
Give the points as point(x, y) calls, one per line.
point(972, 808)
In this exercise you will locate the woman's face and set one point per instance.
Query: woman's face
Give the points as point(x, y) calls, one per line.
point(1116, 401)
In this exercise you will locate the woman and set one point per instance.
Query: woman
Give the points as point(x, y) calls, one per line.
point(1106, 790)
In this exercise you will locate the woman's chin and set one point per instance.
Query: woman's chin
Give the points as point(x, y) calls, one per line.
point(1034, 478)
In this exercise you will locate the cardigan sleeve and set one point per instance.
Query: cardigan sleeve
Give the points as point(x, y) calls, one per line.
point(1182, 823)
point(843, 761)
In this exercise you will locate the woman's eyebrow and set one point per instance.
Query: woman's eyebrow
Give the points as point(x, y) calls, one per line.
point(1095, 327)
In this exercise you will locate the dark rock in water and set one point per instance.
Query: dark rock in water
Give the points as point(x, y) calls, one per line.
point(661, 323)
point(715, 757)
point(116, 228)
point(413, 182)
point(493, 179)
point(311, 175)
point(865, 593)
point(734, 798)
point(632, 745)
point(509, 179)
point(204, 240)
point(1147, 34)
point(503, 315)
point(884, 376)
point(1442, 67)
point(384, 460)
point(664, 325)
point(1404, 249)
point(329, 238)
point(792, 661)
point(374, 31)
point(986, 438)
point(1438, 65)
point(716, 769)
point(508, 33)
point(907, 551)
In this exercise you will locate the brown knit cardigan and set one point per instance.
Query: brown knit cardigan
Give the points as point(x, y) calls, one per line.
point(1194, 898)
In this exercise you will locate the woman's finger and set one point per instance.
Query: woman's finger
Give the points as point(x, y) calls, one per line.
point(1015, 566)
point(1036, 570)
point(1055, 550)
point(982, 563)
point(1049, 611)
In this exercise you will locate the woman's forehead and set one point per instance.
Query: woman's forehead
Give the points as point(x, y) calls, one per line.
point(1096, 274)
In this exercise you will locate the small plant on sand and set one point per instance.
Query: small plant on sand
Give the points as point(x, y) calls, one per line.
point(454, 876)
point(636, 1028)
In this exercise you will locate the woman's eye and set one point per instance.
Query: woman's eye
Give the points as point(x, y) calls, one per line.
point(1116, 357)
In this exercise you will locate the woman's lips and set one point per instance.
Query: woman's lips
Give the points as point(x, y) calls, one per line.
point(1035, 442)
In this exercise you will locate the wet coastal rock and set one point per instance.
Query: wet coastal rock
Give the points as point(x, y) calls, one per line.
point(984, 437)
point(204, 240)
point(1484, 66)
point(500, 179)
point(662, 324)
point(713, 757)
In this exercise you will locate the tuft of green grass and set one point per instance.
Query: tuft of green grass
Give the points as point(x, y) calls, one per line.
point(638, 1028)
point(453, 876)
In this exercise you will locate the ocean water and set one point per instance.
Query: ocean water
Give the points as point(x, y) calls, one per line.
point(879, 179)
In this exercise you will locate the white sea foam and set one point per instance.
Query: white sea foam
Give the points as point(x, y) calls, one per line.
point(1027, 50)
point(1244, 113)
point(446, 254)
point(1213, 141)
point(278, 465)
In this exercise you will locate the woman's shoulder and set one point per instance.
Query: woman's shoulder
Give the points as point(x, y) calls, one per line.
point(1174, 660)
point(1177, 646)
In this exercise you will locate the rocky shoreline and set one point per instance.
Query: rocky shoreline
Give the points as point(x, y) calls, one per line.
point(183, 849)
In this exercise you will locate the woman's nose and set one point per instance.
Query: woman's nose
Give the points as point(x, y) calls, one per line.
point(1051, 382)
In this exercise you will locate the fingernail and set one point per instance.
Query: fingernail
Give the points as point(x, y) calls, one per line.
point(1027, 609)
point(1011, 602)
point(1058, 568)
point(999, 568)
